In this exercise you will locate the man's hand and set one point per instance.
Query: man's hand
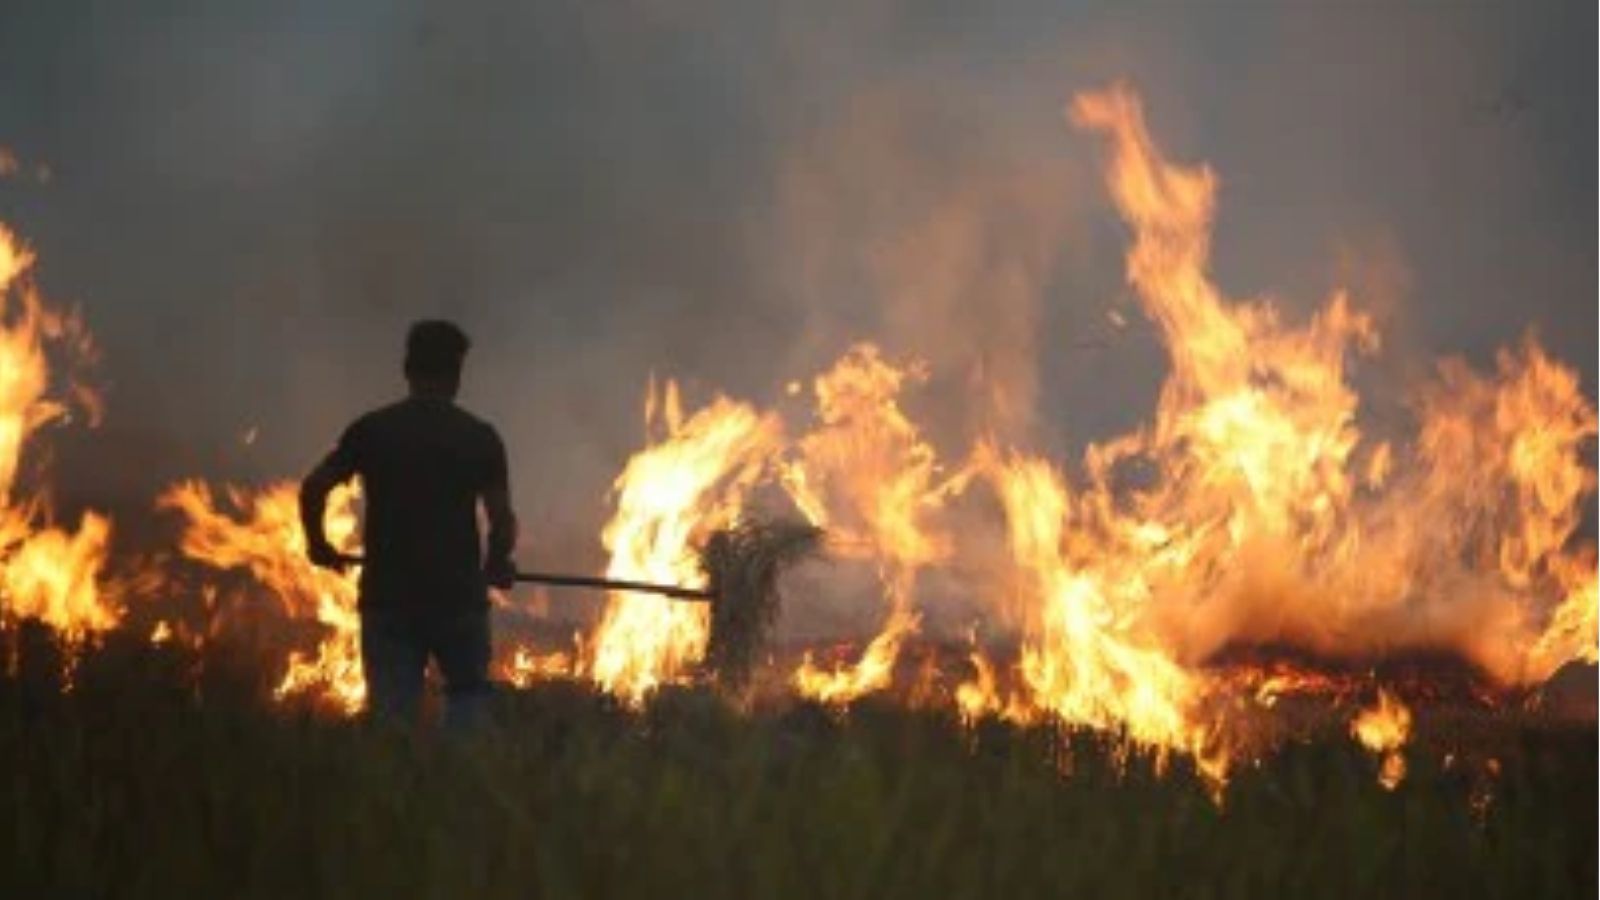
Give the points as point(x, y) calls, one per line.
point(500, 573)
point(323, 555)
point(314, 502)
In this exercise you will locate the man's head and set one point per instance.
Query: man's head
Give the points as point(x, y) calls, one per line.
point(434, 352)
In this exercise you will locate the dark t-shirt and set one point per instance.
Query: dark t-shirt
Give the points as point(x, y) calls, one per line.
point(424, 463)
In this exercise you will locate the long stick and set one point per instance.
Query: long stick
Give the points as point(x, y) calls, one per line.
point(666, 590)
point(615, 584)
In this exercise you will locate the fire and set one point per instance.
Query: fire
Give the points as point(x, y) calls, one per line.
point(1251, 510)
point(1266, 685)
point(874, 671)
point(1267, 518)
point(1385, 726)
point(1384, 729)
point(1254, 432)
point(1507, 473)
point(980, 696)
point(47, 572)
point(1087, 660)
point(527, 666)
point(676, 491)
point(1272, 520)
point(866, 475)
point(1252, 441)
point(260, 532)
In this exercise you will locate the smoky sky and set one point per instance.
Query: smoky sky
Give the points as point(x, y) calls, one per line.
point(249, 202)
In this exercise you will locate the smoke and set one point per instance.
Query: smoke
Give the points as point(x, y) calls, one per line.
point(251, 202)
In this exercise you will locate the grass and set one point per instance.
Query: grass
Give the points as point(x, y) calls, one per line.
point(161, 774)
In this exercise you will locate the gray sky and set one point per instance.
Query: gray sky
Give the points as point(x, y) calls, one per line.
point(249, 203)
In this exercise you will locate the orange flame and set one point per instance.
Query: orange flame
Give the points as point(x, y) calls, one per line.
point(260, 532)
point(1255, 530)
point(874, 671)
point(866, 475)
point(1087, 660)
point(671, 494)
point(1384, 729)
point(1264, 514)
point(980, 696)
point(47, 572)
point(527, 666)
point(1267, 519)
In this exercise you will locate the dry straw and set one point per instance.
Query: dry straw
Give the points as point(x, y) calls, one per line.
point(744, 563)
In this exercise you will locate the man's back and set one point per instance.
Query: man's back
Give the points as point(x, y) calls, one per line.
point(424, 463)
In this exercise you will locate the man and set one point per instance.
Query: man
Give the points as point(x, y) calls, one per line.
point(425, 464)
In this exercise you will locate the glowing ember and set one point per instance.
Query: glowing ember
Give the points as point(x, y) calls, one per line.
point(527, 666)
point(1384, 729)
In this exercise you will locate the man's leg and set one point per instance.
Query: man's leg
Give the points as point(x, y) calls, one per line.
point(461, 645)
point(393, 660)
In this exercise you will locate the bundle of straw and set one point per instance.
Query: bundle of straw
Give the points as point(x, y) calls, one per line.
point(743, 563)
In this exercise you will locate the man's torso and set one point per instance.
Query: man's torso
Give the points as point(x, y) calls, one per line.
point(423, 462)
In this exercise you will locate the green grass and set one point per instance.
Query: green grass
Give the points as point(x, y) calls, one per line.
point(159, 774)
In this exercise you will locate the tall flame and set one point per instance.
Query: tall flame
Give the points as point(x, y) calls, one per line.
point(1265, 517)
point(671, 494)
point(47, 572)
point(1088, 661)
point(1254, 432)
point(866, 475)
point(1271, 521)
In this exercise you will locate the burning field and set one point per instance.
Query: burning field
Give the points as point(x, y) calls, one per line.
point(1248, 623)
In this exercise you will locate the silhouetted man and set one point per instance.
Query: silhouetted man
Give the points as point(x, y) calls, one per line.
point(425, 464)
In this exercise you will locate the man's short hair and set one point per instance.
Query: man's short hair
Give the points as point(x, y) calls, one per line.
point(435, 348)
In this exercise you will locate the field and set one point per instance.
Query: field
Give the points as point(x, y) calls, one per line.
point(162, 771)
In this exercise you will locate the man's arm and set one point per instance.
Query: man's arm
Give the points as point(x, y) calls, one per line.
point(335, 469)
point(502, 521)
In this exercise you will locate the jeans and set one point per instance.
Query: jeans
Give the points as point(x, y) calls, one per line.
point(395, 646)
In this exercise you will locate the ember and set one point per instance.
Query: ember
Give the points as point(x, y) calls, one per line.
point(1384, 729)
